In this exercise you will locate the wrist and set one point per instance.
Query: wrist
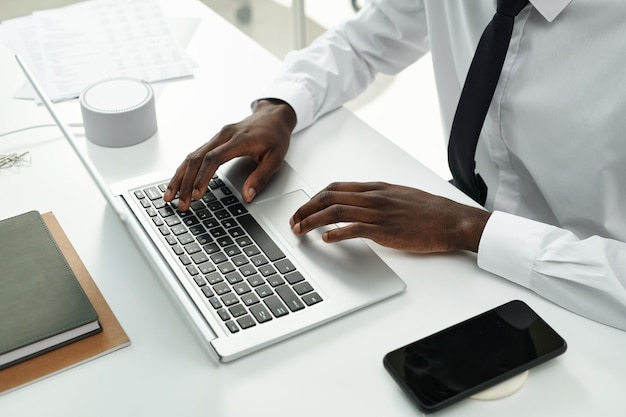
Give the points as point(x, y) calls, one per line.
point(470, 228)
point(279, 109)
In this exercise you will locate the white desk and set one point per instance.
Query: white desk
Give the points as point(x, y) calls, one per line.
point(335, 369)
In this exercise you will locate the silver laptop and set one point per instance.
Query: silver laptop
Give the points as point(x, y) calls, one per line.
point(242, 278)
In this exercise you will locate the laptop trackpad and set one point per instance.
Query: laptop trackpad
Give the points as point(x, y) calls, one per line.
point(277, 211)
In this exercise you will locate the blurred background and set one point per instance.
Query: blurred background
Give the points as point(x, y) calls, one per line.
point(403, 107)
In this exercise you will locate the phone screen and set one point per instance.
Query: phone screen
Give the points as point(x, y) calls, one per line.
point(473, 355)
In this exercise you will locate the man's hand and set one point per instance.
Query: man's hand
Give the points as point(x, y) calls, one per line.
point(394, 216)
point(264, 136)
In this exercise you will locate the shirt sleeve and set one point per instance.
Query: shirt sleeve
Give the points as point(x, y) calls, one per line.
point(586, 276)
point(385, 36)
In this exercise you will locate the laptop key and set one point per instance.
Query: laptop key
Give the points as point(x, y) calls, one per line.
point(200, 281)
point(267, 270)
point(276, 306)
point(247, 246)
point(215, 302)
point(214, 278)
point(311, 298)
point(179, 229)
point(229, 299)
point(285, 266)
point(221, 288)
point(240, 260)
point(166, 211)
point(199, 258)
point(246, 321)
point(204, 239)
point(303, 288)
point(294, 277)
point(153, 193)
point(290, 298)
point(226, 268)
point(197, 229)
point(259, 260)
point(249, 299)
point(197, 205)
point(248, 270)
point(173, 221)
point(211, 248)
point(232, 326)
point(190, 220)
point(237, 310)
point(208, 197)
point(208, 293)
point(191, 247)
point(260, 313)
point(234, 277)
point(237, 209)
point(267, 245)
point(177, 250)
point(229, 200)
point(275, 280)
point(241, 288)
point(255, 280)
point(185, 238)
point(223, 314)
point(263, 291)
point(207, 267)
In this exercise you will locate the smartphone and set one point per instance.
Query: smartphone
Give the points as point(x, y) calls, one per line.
point(471, 356)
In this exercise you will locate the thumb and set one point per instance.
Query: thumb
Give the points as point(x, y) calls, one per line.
point(258, 179)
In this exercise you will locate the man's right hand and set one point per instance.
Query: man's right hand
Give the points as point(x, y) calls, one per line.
point(263, 136)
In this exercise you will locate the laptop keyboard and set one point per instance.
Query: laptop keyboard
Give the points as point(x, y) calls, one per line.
point(245, 277)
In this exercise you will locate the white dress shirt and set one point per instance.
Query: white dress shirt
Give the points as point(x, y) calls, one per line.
point(552, 150)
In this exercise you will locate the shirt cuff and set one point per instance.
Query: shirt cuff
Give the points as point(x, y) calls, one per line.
point(509, 246)
point(297, 96)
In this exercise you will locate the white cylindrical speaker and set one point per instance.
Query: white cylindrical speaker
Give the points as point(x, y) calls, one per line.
point(118, 112)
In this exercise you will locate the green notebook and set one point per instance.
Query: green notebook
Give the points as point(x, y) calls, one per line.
point(42, 305)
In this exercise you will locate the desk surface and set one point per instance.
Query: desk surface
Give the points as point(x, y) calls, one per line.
point(335, 369)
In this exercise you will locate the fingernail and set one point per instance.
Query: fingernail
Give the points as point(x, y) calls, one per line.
point(251, 194)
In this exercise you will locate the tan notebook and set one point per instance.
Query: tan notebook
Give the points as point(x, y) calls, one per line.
point(111, 338)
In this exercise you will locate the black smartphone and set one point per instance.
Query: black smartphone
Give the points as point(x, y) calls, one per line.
point(471, 356)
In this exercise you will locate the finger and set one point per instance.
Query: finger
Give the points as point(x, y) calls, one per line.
point(219, 149)
point(184, 177)
point(185, 192)
point(174, 185)
point(203, 175)
point(200, 166)
point(356, 187)
point(351, 231)
point(337, 213)
point(352, 194)
point(262, 174)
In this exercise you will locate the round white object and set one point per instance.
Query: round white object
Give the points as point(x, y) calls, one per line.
point(118, 112)
point(503, 389)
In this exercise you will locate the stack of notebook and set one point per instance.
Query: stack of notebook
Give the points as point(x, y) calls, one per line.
point(52, 315)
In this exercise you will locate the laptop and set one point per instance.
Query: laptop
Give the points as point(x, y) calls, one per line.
point(243, 280)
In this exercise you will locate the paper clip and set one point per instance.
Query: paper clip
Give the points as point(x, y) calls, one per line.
point(12, 160)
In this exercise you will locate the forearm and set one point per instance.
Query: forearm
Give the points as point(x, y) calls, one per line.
point(384, 37)
point(585, 276)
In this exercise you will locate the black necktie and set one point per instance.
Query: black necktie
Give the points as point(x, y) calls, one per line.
point(476, 96)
